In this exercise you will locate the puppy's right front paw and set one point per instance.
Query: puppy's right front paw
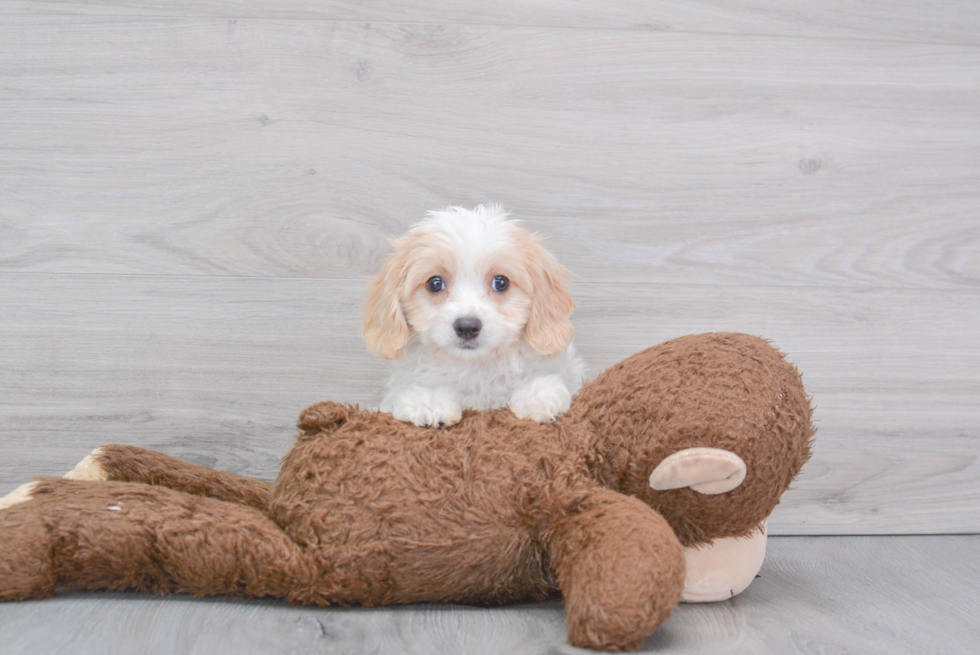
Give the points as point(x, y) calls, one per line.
point(89, 468)
point(427, 407)
point(542, 399)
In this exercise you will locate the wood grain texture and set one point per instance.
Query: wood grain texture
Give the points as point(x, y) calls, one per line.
point(956, 21)
point(191, 193)
point(815, 595)
point(293, 147)
point(216, 369)
point(190, 205)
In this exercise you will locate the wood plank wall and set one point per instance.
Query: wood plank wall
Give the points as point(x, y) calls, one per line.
point(192, 193)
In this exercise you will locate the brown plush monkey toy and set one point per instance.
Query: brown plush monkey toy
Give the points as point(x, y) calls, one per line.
point(654, 487)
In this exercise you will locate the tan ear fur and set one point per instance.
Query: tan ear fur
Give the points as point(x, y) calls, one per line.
point(383, 325)
point(549, 330)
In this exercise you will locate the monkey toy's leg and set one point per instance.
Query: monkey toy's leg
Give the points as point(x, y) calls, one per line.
point(120, 535)
point(620, 569)
point(133, 464)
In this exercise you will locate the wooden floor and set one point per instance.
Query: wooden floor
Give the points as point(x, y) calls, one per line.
point(192, 193)
point(888, 595)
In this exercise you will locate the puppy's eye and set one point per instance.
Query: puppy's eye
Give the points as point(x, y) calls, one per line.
point(500, 283)
point(435, 284)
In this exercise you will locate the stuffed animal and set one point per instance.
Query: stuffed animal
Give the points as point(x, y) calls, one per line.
point(668, 462)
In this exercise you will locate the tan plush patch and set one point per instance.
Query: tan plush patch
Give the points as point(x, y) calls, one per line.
point(88, 469)
point(706, 470)
point(21, 494)
point(724, 569)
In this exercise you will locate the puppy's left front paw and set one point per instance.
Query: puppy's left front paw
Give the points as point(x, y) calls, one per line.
point(542, 399)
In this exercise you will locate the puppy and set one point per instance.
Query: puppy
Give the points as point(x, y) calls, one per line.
point(475, 314)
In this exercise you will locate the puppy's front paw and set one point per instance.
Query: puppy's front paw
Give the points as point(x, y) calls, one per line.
point(427, 407)
point(542, 399)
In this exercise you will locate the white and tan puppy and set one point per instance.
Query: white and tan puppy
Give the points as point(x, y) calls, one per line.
point(475, 314)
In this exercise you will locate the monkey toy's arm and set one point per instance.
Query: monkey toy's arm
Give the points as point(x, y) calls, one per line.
point(620, 569)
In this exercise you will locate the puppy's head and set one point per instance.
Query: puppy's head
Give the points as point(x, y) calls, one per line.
point(471, 284)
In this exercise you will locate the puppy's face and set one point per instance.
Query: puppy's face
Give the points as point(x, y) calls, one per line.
point(469, 284)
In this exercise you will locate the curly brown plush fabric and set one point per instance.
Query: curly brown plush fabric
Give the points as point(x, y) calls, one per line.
point(369, 510)
point(728, 391)
point(133, 464)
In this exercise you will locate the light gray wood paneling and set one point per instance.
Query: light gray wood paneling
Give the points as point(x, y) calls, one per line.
point(815, 595)
point(917, 20)
point(192, 192)
point(220, 187)
point(292, 147)
point(215, 370)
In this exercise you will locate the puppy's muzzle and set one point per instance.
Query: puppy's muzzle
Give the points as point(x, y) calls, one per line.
point(467, 327)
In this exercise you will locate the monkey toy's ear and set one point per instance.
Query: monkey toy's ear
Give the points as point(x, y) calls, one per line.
point(706, 470)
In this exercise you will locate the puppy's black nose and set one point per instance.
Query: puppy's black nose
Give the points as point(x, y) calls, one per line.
point(467, 327)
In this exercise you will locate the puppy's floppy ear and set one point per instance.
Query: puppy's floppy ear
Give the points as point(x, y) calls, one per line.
point(548, 329)
point(383, 325)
